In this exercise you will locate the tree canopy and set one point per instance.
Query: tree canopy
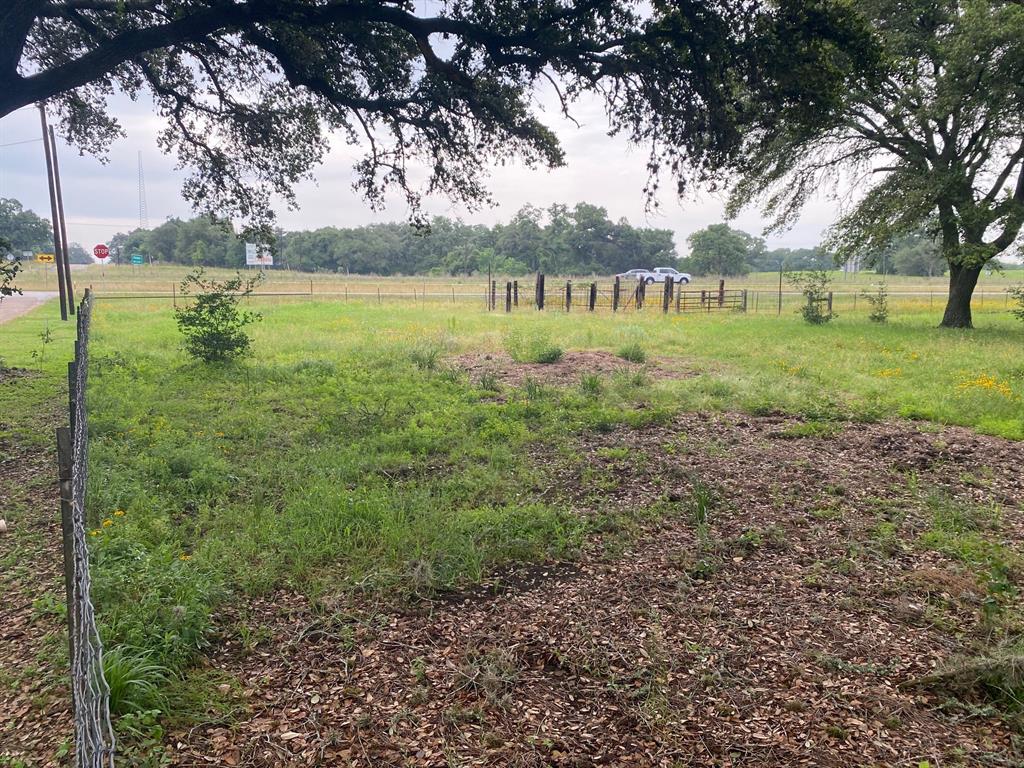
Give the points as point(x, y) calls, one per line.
point(252, 90)
point(559, 240)
point(23, 230)
point(936, 140)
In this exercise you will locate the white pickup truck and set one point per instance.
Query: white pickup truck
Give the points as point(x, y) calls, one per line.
point(656, 275)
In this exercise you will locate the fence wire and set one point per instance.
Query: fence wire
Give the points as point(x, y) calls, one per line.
point(94, 734)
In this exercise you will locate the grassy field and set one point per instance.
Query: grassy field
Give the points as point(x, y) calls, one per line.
point(353, 454)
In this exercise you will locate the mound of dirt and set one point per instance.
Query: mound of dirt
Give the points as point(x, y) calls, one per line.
point(567, 370)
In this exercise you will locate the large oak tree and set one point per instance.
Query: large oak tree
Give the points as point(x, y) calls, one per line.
point(936, 140)
point(251, 90)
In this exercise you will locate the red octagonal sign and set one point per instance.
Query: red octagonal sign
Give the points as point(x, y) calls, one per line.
point(101, 251)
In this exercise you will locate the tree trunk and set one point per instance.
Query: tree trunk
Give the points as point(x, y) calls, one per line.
point(958, 306)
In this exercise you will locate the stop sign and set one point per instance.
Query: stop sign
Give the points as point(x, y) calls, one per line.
point(101, 251)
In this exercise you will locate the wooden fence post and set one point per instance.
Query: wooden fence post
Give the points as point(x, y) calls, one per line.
point(616, 290)
point(744, 299)
point(568, 295)
point(721, 292)
point(65, 463)
point(515, 293)
point(666, 294)
point(830, 302)
point(508, 297)
point(540, 290)
point(641, 292)
point(593, 296)
point(494, 294)
point(679, 297)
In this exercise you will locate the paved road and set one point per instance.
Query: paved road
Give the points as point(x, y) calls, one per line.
point(12, 306)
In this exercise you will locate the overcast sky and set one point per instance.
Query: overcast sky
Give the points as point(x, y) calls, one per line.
point(102, 199)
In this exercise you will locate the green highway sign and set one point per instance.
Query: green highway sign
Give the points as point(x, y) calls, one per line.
point(137, 258)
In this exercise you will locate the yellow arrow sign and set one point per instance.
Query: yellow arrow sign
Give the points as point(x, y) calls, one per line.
point(45, 258)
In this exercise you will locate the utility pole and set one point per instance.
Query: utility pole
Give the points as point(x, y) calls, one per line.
point(57, 255)
point(69, 287)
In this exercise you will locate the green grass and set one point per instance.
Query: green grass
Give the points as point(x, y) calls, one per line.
point(348, 455)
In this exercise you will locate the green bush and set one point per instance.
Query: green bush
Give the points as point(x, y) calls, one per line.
point(212, 323)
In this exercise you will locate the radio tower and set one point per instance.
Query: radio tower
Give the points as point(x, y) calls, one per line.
point(143, 213)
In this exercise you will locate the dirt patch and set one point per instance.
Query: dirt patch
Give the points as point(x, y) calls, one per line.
point(13, 374)
point(566, 371)
point(778, 632)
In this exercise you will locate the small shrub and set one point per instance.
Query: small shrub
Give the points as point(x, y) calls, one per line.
point(535, 347)
point(879, 302)
point(1017, 294)
point(814, 285)
point(633, 353)
point(212, 323)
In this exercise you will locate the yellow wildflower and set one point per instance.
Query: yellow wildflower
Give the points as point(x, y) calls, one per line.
point(119, 513)
point(986, 382)
point(183, 556)
point(107, 523)
point(888, 373)
point(94, 532)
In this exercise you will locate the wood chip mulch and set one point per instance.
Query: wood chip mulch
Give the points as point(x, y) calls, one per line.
point(783, 637)
point(35, 712)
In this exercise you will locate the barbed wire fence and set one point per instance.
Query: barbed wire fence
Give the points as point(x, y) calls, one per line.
point(90, 694)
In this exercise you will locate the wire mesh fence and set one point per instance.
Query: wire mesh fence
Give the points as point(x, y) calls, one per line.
point(94, 734)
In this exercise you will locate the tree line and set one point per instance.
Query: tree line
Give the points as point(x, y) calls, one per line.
point(559, 240)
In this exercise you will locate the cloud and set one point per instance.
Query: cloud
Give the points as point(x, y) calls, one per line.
point(102, 199)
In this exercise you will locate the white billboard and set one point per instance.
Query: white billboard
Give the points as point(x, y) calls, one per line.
point(258, 255)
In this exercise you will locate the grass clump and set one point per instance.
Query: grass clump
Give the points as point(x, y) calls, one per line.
point(135, 681)
point(633, 353)
point(533, 346)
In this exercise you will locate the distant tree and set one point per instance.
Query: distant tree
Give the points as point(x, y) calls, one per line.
point(936, 138)
point(251, 90)
point(915, 254)
point(78, 255)
point(792, 260)
point(721, 250)
point(24, 230)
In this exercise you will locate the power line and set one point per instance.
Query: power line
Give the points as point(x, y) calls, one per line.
point(16, 143)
